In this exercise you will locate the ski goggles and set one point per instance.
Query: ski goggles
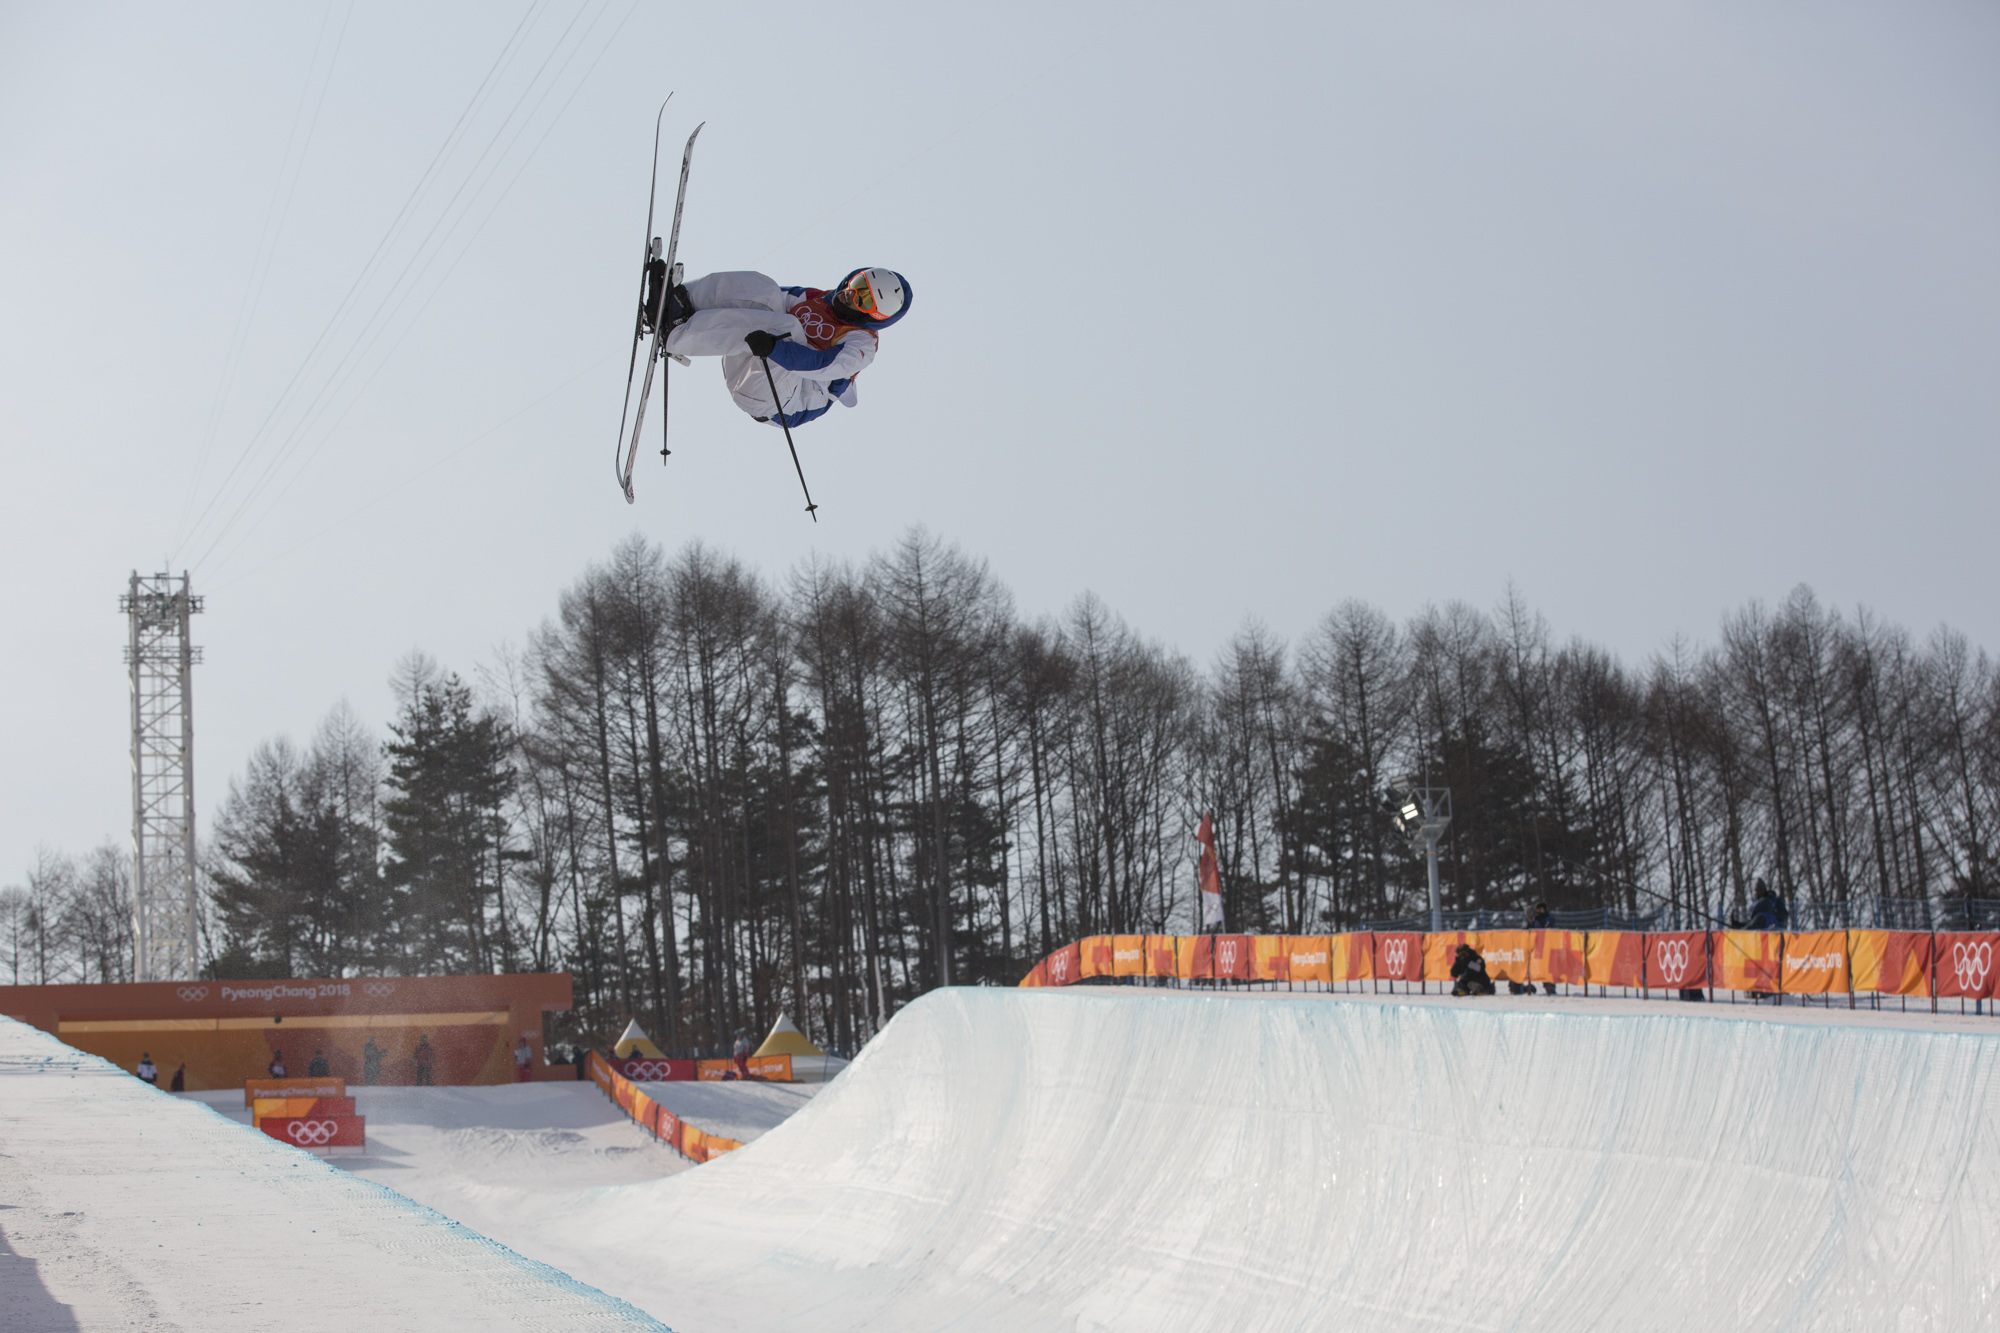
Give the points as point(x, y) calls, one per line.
point(859, 295)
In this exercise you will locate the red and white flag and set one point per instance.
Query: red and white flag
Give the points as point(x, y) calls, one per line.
point(1211, 876)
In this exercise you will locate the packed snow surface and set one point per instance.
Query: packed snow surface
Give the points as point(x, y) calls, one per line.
point(122, 1207)
point(740, 1111)
point(1134, 1159)
point(1081, 1159)
point(499, 1158)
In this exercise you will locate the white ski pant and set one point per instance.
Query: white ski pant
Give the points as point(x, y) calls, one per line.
point(727, 307)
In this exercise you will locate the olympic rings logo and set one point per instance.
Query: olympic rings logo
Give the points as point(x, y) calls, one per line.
point(648, 1071)
point(817, 326)
point(1672, 956)
point(1226, 953)
point(1059, 968)
point(312, 1133)
point(1395, 953)
point(193, 993)
point(378, 988)
point(1970, 963)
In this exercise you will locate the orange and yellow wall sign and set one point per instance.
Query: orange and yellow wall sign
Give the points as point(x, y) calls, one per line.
point(464, 1029)
point(1833, 962)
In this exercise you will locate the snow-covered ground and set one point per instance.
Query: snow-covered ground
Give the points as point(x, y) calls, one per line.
point(499, 1158)
point(1131, 1159)
point(740, 1111)
point(125, 1207)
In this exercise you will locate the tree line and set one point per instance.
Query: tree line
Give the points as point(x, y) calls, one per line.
point(713, 798)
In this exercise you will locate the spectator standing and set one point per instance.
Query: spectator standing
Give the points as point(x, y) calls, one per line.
point(180, 1079)
point(524, 1062)
point(371, 1062)
point(1766, 913)
point(741, 1051)
point(147, 1071)
point(1538, 919)
point(424, 1059)
point(1764, 908)
point(318, 1067)
point(277, 1065)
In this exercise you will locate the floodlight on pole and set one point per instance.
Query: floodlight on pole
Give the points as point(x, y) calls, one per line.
point(1421, 815)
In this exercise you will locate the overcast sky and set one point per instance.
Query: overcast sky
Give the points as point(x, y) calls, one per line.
point(1219, 312)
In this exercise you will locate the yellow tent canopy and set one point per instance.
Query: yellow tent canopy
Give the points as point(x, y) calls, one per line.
point(636, 1042)
point(786, 1039)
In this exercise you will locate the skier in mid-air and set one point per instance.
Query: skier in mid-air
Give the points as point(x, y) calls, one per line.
point(788, 353)
point(807, 343)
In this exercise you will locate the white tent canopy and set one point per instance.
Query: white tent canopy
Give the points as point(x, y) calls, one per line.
point(786, 1039)
point(634, 1041)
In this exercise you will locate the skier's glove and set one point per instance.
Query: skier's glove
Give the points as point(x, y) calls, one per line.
point(760, 342)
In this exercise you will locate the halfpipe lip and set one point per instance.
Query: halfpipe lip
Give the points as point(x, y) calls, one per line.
point(1569, 1006)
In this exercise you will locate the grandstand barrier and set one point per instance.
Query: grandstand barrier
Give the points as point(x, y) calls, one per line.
point(221, 1031)
point(689, 1141)
point(1758, 963)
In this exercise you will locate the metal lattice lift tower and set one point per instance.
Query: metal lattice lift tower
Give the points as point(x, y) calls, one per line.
point(163, 888)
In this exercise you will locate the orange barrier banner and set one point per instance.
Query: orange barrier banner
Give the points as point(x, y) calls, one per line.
point(253, 1088)
point(1308, 958)
point(1350, 957)
point(1128, 955)
point(1399, 956)
point(1889, 962)
point(1160, 956)
point(682, 1137)
point(1191, 956)
point(1038, 975)
point(286, 1108)
point(1096, 957)
point(332, 1131)
point(646, 1112)
point(645, 1069)
point(1967, 964)
point(1746, 960)
point(770, 1068)
point(1677, 959)
point(1815, 963)
point(1617, 958)
point(1270, 958)
point(1065, 965)
point(1557, 955)
point(1506, 953)
point(1441, 949)
point(1232, 957)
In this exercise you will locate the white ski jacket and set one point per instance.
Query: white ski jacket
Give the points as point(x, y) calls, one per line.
point(813, 365)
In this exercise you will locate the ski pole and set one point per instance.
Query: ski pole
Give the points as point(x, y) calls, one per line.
point(778, 407)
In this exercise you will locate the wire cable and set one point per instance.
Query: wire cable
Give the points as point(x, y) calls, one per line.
point(394, 229)
point(267, 245)
point(404, 290)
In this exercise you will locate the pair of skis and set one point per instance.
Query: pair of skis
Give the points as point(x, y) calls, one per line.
point(657, 277)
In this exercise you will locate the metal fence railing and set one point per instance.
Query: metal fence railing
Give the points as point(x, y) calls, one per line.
point(1876, 913)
